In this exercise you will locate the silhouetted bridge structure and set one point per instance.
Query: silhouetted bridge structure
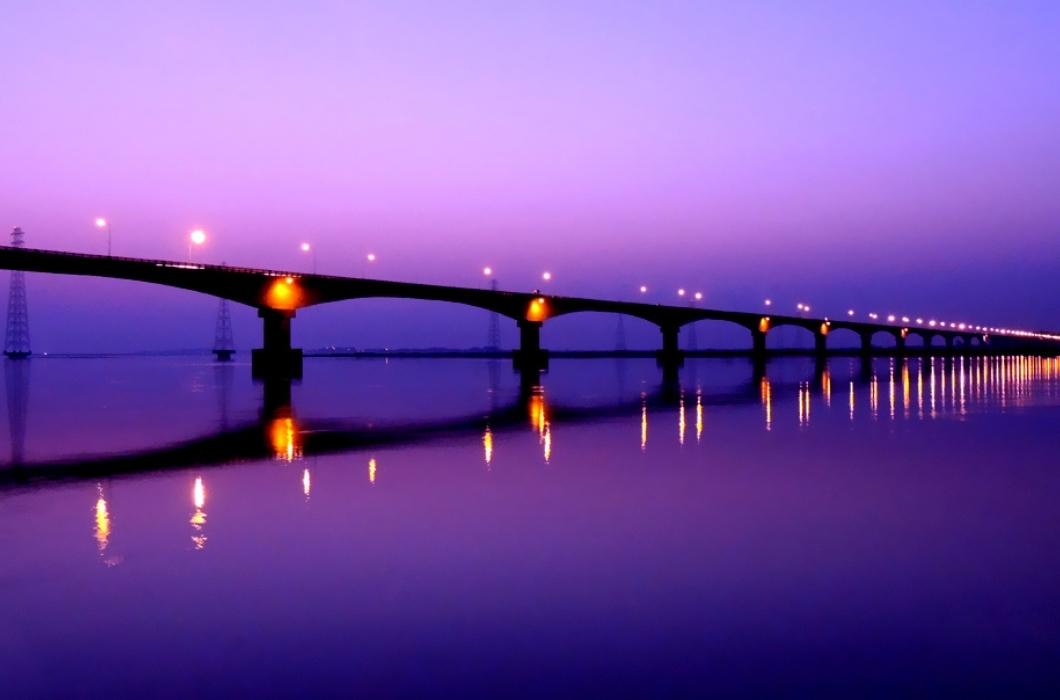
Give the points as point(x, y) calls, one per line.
point(278, 295)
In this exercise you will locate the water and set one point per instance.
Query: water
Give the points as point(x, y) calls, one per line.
point(439, 528)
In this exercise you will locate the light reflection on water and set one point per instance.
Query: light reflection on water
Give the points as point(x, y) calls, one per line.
point(799, 527)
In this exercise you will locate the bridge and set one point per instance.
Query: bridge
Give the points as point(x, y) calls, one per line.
point(278, 295)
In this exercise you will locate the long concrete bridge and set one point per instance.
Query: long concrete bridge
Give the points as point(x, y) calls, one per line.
point(279, 294)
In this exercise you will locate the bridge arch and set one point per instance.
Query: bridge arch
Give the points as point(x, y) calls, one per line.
point(380, 322)
point(608, 331)
point(789, 335)
point(843, 338)
point(884, 338)
point(717, 334)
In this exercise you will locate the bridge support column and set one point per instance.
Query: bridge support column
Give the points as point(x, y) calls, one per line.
point(276, 357)
point(866, 344)
point(820, 344)
point(758, 344)
point(671, 351)
point(949, 343)
point(899, 344)
point(530, 355)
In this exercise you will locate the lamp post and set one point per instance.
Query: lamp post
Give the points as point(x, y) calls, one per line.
point(306, 248)
point(102, 223)
point(195, 238)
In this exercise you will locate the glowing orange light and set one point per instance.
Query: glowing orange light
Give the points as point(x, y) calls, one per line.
point(487, 445)
point(285, 439)
point(538, 310)
point(284, 294)
point(825, 327)
point(198, 493)
point(102, 523)
point(763, 324)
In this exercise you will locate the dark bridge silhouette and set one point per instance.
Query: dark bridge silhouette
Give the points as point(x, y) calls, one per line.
point(279, 294)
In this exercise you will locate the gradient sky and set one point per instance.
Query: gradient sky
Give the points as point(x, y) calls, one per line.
point(898, 157)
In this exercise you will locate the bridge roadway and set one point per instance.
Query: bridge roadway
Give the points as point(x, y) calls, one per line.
point(279, 294)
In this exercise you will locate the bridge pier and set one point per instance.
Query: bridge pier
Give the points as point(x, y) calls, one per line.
point(276, 357)
point(899, 343)
point(671, 351)
point(758, 344)
point(820, 343)
point(530, 355)
point(866, 344)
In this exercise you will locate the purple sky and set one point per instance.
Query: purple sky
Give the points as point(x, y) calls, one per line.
point(902, 157)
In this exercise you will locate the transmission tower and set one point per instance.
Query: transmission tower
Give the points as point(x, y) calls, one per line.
point(493, 337)
point(16, 376)
point(16, 340)
point(620, 335)
point(223, 347)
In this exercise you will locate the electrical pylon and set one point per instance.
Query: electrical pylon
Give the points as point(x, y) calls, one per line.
point(16, 340)
point(223, 347)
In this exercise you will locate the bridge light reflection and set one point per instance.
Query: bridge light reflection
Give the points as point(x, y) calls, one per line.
point(285, 439)
point(198, 518)
point(766, 393)
point(681, 421)
point(102, 522)
point(371, 470)
point(699, 415)
point(487, 446)
point(643, 423)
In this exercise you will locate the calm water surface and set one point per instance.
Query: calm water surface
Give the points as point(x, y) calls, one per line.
point(440, 528)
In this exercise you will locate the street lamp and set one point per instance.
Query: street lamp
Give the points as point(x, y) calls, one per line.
point(643, 289)
point(195, 238)
point(681, 292)
point(699, 296)
point(102, 223)
point(306, 248)
point(768, 302)
point(546, 275)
